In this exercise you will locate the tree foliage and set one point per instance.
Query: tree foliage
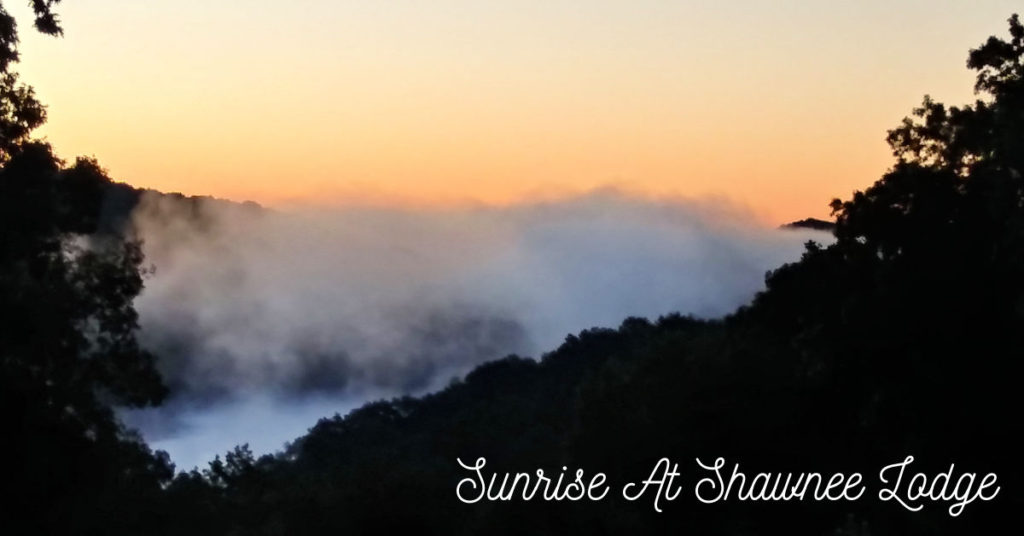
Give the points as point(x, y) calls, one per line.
point(68, 350)
point(901, 337)
point(20, 111)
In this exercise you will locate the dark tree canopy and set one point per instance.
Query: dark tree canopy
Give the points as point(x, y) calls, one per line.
point(68, 349)
point(20, 112)
point(901, 337)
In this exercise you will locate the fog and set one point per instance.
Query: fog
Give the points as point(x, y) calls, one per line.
point(265, 320)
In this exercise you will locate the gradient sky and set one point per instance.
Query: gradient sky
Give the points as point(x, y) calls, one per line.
point(780, 105)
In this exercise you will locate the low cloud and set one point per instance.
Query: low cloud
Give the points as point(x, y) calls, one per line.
point(248, 304)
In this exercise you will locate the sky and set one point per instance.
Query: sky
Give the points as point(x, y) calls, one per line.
point(776, 105)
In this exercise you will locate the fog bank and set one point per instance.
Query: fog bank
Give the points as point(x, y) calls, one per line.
point(276, 317)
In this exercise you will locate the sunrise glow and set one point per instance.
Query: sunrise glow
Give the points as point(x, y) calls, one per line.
point(780, 106)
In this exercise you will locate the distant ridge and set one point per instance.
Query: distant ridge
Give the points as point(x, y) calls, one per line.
point(810, 223)
point(120, 199)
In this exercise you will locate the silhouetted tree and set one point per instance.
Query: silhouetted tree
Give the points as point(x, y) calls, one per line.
point(67, 334)
point(901, 337)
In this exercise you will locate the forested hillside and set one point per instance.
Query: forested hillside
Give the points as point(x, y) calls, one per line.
point(903, 337)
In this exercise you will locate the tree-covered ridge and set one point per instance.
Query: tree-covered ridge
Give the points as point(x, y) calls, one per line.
point(902, 337)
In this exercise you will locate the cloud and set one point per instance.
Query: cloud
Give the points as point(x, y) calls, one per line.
point(352, 303)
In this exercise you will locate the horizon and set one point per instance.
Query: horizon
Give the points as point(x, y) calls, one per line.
point(290, 271)
point(455, 103)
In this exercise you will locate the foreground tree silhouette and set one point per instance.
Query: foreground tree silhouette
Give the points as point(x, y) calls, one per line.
point(902, 337)
point(910, 324)
point(67, 334)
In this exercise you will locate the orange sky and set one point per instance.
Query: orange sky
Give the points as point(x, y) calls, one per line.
point(779, 105)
